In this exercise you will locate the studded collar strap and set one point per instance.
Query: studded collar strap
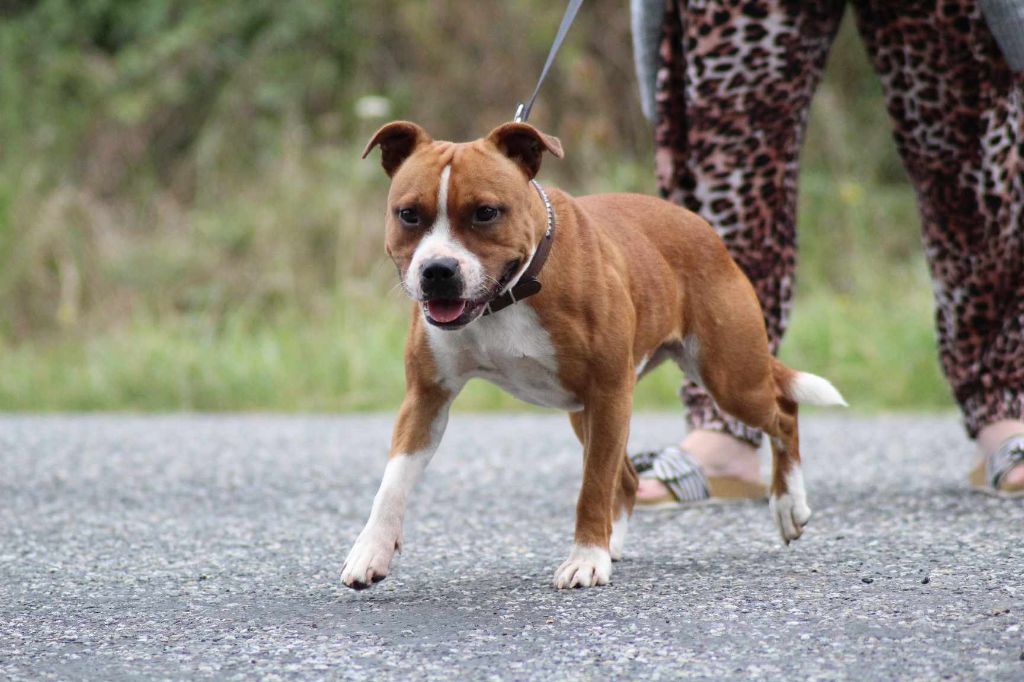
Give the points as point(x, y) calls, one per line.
point(528, 284)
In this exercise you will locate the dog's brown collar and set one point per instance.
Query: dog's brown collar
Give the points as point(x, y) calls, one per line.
point(528, 284)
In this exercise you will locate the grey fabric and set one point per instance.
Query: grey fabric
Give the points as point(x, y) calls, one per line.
point(1005, 18)
point(646, 17)
point(1007, 456)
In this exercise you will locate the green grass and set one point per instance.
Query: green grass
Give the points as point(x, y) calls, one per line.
point(349, 359)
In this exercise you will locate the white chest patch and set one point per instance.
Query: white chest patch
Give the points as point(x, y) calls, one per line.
point(509, 349)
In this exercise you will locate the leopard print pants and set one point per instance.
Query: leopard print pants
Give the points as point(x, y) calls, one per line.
point(734, 86)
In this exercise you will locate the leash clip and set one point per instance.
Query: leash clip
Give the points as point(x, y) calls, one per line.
point(520, 116)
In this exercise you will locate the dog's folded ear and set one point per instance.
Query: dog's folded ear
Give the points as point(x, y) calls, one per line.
point(397, 141)
point(524, 144)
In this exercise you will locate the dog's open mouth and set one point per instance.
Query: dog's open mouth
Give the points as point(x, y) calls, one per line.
point(452, 314)
point(458, 312)
point(446, 312)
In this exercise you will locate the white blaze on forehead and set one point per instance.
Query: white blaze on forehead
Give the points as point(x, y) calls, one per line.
point(442, 201)
point(439, 243)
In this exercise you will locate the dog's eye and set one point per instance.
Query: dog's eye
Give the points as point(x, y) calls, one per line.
point(409, 216)
point(485, 214)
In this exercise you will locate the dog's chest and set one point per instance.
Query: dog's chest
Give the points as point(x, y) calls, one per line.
point(510, 349)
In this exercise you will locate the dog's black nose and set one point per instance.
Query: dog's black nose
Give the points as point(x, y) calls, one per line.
point(440, 278)
point(440, 269)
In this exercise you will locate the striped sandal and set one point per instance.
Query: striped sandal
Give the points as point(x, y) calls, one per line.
point(988, 476)
point(686, 482)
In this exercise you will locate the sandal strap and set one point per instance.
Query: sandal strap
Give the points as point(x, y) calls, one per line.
point(1008, 455)
point(677, 470)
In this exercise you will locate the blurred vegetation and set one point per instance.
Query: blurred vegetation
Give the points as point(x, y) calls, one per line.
point(185, 222)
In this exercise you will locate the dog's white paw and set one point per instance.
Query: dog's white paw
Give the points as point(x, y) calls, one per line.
point(791, 514)
point(790, 509)
point(370, 559)
point(619, 528)
point(585, 567)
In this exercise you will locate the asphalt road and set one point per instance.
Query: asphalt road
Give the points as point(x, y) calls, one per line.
point(210, 547)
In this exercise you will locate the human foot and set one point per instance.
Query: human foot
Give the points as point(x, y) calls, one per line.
point(728, 463)
point(999, 445)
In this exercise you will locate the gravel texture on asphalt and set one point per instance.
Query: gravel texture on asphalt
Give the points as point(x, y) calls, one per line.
point(210, 547)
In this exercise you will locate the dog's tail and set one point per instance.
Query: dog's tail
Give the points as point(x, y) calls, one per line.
point(807, 388)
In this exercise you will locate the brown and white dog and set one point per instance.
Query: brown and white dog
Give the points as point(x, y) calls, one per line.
point(631, 281)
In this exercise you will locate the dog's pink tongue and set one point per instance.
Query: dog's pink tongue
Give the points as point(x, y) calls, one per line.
point(445, 311)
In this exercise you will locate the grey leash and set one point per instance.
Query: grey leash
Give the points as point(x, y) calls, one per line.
point(1005, 18)
point(523, 110)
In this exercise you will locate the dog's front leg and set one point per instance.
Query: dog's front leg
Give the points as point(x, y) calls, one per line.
point(605, 422)
point(417, 433)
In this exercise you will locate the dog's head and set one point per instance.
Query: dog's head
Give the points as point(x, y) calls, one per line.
point(462, 219)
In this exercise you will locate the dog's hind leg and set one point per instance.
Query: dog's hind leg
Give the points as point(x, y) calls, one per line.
point(765, 396)
point(788, 500)
point(756, 399)
point(745, 380)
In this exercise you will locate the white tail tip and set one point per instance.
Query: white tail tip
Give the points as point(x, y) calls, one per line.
point(811, 389)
